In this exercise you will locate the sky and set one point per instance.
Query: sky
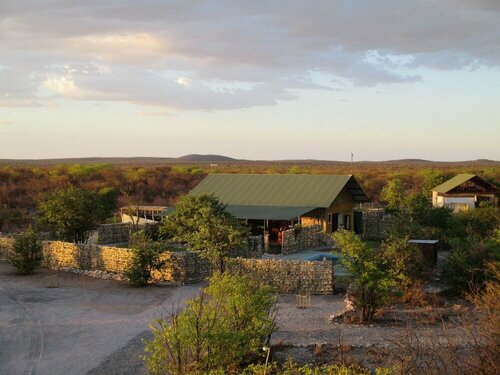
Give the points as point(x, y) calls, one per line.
point(250, 79)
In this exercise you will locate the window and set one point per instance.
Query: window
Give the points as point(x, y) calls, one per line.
point(330, 218)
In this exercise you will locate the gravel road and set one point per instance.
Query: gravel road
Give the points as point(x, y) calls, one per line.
point(63, 323)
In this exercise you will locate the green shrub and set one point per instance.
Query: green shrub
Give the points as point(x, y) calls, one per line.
point(292, 368)
point(146, 259)
point(219, 331)
point(482, 221)
point(403, 260)
point(202, 222)
point(26, 254)
point(465, 269)
point(371, 281)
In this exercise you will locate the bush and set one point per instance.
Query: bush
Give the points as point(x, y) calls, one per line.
point(482, 222)
point(404, 260)
point(292, 368)
point(26, 254)
point(466, 267)
point(72, 213)
point(372, 284)
point(146, 259)
point(203, 223)
point(218, 332)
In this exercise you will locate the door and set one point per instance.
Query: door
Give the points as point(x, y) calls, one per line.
point(335, 222)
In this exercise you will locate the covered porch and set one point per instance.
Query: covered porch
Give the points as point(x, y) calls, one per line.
point(269, 221)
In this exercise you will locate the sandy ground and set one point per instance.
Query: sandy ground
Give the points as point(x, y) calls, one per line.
point(63, 323)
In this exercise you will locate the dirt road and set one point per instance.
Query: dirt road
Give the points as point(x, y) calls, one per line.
point(63, 323)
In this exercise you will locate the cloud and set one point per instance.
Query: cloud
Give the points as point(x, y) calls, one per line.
point(184, 81)
point(261, 52)
point(118, 47)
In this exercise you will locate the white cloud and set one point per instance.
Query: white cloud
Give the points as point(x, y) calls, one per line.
point(60, 85)
point(261, 51)
point(184, 81)
point(117, 47)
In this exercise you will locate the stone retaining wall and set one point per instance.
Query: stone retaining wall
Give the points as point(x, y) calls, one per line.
point(5, 246)
point(113, 233)
point(288, 276)
point(285, 276)
point(376, 223)
point(308, 237)
point(180, 267)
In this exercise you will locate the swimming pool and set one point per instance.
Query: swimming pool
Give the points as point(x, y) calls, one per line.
point(324, 256)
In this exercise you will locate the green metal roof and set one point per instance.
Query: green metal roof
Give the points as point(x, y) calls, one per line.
point(452, 183)
point(278, 190)
point(267, 212)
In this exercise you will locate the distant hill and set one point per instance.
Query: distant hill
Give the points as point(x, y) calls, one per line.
point(213, 158)
point(205, 158)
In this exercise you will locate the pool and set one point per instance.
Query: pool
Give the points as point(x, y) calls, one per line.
point(325, 256)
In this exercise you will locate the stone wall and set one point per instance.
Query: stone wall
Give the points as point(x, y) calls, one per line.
point(308, 237)
point(180, 267)
point(183, 267)
point(288, 276)
point(255, 246)
point(284, 276)
point(376, 223)
point(113, 233)
point(5, 246)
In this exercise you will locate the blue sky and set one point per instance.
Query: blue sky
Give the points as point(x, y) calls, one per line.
point(255, 80)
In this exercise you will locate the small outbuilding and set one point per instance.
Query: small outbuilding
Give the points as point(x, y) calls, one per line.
point(429, 249)
point(464, 192)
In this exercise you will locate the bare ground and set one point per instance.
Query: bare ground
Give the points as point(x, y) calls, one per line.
point(64, 323)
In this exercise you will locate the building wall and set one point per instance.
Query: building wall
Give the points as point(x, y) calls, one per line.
point(136, 220)
point(341, 206)
point(458, 203)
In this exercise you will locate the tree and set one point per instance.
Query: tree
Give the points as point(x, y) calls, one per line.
point(394, 195)
point(466, 269)
point(218, 331)
point(203, 223)
point(372, 284)
point(419, 219)
point(146, 258)
point(482, 222)
point(430, 179)
point(72, 213)
point(26, 254)
point(402, 259)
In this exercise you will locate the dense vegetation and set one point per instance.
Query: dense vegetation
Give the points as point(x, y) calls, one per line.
point(21, 186)
point(203, 223)
point(72, 213)
point(218, 332)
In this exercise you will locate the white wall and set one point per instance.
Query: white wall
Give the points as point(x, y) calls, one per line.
point(456, 202)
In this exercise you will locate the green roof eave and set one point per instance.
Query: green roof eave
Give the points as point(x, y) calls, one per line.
point(267, 212)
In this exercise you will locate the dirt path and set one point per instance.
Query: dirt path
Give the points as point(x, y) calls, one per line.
point(63, 323)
